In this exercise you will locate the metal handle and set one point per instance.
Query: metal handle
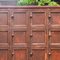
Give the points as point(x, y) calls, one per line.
point(12, 34)
point(31, 54)
point(12, 16)
point(49, 17)
point(13, 53)
point(49, 34)
point(49, 53)
point(30, 14)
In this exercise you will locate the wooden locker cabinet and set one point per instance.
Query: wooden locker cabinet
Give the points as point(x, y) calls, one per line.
point(29, 33)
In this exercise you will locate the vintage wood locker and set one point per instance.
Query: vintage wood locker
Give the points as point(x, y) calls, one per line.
point(29, 33)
